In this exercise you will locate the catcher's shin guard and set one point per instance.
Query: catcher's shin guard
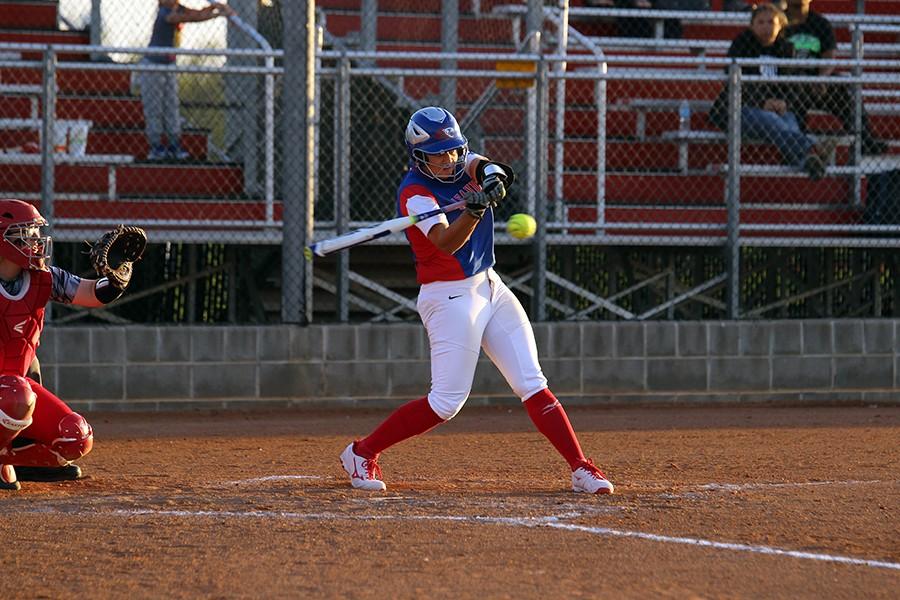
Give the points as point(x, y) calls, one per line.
point(75, 439)
point(17, 401)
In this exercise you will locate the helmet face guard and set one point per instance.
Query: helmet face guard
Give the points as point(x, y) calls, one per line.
point(32, 242)
point(25, 239)
point(434, 131)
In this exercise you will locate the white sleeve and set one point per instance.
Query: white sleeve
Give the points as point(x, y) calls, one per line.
point(416, 205)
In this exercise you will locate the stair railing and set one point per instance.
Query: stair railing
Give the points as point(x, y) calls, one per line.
point(269, 115)
point(559, 18)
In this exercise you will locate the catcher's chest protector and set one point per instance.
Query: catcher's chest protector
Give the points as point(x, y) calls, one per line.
point(22, 320)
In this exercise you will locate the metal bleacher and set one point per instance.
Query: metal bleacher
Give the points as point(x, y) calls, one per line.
point(623, 170)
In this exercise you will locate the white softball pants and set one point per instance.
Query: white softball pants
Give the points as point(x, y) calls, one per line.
point(462, 317)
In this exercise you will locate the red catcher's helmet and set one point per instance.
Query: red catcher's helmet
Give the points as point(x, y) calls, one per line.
point(25, 240)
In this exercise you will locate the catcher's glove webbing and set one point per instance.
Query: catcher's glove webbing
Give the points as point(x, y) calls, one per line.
point(113, 254)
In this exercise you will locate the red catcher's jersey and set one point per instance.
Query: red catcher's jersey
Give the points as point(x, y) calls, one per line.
point(22, 319)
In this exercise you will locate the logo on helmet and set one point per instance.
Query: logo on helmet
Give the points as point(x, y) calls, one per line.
point(447, 134)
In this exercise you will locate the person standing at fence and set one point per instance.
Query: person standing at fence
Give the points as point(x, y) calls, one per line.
point(39, 434)
point(159, 90)
point(767, 108)
point(813, 38)
point(463, 303)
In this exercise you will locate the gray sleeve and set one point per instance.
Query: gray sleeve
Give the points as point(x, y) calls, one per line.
point(65, 285)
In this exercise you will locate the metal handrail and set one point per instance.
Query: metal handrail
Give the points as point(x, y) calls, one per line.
point(710, 16)
point(86, 49)
point(344, 52)
point(269, 112)
point(600, 101)
point(483, 101)
point(719, 45)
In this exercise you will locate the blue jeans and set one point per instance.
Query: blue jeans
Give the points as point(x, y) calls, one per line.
point(781, 130)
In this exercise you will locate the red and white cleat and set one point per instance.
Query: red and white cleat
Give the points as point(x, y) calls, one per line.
point(588, 478)
point(364, 473)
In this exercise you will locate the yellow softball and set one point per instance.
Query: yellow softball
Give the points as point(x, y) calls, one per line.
point(521, 226)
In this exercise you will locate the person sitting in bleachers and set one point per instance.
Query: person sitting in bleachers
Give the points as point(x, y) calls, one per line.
point(767, 108)
point(812, 36)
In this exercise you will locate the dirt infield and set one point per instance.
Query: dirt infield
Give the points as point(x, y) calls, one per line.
point(710, 503)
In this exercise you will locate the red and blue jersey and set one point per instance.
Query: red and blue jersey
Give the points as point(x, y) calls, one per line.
point(419, 193)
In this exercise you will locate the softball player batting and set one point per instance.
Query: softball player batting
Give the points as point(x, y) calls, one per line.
point(463, 303)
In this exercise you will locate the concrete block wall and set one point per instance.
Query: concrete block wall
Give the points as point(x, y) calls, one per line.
point(137, 367)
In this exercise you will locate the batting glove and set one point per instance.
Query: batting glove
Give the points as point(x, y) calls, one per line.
point(492, 192)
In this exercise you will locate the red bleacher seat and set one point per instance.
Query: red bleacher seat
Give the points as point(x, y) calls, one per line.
point(27, 15)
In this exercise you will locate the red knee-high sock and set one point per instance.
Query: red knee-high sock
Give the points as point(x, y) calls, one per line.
point(413, 418)
point(550, 419)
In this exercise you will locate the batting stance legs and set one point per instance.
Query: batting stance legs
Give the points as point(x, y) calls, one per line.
point(461, 317)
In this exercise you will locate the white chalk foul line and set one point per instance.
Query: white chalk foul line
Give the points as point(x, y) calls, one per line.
point(271, 478)
point(729, 487)
point(709, 487)
point(727, 546)
point(552, 522)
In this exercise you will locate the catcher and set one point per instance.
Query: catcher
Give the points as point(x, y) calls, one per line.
point(39, 435)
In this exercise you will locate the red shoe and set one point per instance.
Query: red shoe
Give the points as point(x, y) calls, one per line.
point(588, 478)
point(364, 473)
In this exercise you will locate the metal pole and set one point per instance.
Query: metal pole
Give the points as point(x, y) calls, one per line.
point(48, 164)
point(317, 92)
point(96, 26)
point(299, 159)
point(600, 98)
point(531, 161)
point(560, 100)
point(270, 142)
point(449, 44)
point(535, 149)
point(342, 182)
point(733, 194)
point(368, 29)
point(856, 148)
point(539, 297)
point(533, 21)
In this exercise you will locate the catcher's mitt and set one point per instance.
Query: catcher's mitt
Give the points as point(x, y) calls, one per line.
point(113, 254)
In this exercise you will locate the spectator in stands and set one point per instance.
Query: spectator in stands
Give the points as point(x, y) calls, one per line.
point(159, 91)
point(767, 107)
point(813, 37)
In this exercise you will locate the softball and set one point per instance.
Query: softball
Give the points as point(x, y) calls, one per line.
point(521, 226)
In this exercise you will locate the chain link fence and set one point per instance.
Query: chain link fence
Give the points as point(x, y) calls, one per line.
point(210, 205)
point(648, 208)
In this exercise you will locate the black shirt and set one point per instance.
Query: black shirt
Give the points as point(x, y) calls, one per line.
point(812, 38)
point(746, 45)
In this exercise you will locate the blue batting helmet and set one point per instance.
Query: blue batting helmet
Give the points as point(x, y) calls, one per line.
point(433, 130)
